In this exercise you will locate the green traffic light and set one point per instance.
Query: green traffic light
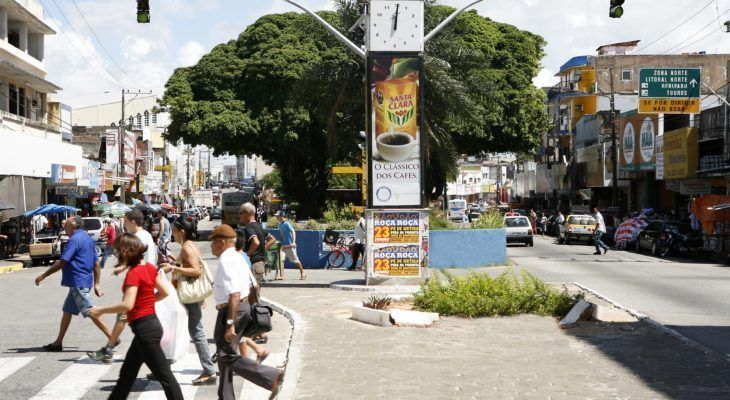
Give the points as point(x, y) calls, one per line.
point(616, 12)
point(143, 17)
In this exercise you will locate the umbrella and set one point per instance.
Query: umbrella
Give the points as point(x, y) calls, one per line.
point(51, 209)
point(6, 205)
point(116, 209)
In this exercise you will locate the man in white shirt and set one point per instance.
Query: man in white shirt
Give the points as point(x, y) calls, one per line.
point(358, 247)
point(231, 286)
point(598, 232)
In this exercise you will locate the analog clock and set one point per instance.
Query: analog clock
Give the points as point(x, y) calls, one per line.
point(395, 25)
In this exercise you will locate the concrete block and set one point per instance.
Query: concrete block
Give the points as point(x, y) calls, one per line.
point(611, 314)
point(407, 317)
point(581, 311)
point(371, 316)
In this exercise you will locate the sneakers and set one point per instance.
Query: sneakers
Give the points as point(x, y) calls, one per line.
point(598, 253)
point(105, 355)
point(605, 251)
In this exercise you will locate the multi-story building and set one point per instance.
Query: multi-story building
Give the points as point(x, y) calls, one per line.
point(32, 142)
point(581, 136)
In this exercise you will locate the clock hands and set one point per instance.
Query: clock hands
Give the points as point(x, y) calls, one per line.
point(395, 18)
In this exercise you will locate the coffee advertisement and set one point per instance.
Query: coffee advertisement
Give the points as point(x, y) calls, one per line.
point(395, 167)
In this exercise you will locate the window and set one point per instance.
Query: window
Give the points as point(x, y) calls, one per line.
point(131, 120)
point(146, 118)
point(13, 90)
point(14, 38)
point(22, 106)
point(516, 222)
point(139, 119)
point(154, 118)
point(625, 74)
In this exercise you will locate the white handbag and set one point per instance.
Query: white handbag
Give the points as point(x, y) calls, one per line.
point(195, 290)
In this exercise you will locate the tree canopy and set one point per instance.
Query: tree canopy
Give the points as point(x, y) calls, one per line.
point(288, 91)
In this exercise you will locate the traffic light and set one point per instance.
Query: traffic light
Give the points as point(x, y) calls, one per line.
point(616, 11)
point(143, 11)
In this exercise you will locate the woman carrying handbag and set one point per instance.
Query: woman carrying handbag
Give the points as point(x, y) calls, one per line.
point(193, 282)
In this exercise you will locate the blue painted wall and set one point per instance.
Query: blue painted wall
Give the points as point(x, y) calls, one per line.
point(470, 248)
point(448, 249)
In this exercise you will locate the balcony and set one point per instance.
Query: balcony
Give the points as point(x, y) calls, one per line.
point(29, 7)
point(29, 126)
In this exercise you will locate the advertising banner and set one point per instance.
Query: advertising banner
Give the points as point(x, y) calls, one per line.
point(680, 153)
point(638, 133)
point(113, 151)
point(63, 174)
point(398, 242)
point(659, 170)
point(394, 132)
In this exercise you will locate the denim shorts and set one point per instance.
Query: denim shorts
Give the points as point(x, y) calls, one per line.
point(78, 301)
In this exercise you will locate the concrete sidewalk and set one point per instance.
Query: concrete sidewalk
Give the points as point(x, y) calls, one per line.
point(10, 266)
point(526, 357)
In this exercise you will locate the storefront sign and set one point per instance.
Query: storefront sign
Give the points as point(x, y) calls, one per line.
point(659, 168)
point(646, 140)
point(72, 191)
point(394, 134)
point(398, 242)
point(680, 153)
point(63, 174)
point(695, 187)
point(628, 145)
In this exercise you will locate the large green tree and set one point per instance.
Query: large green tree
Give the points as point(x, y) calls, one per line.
point(288, 91)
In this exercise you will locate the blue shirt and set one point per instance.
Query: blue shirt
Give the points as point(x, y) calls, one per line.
point(80, 257)
point(287, 233)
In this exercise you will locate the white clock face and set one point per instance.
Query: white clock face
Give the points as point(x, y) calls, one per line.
point(396, 25)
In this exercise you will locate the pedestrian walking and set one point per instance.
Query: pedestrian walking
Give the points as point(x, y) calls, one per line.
point(261, 352)
point(189, 265)
point(80, 272)
point(258, 240)
point(543, 223)
point(109, 234)
point(231, 287)
point(142, 288)
point(288, 244)
point(133, 223)
point(358, 246)
point(165, 236)
point(599, 231)
point(533, 220)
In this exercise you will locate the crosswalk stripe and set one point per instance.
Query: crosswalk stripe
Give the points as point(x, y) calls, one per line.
point(185, 371)
point(8, 366)
point(74, 381)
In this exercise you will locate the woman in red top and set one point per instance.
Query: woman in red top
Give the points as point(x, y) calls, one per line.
point(139, 303)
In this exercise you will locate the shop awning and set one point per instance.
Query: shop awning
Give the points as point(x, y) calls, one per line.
point(51, 209)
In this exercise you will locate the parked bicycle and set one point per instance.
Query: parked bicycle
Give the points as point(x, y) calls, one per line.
point(340, 252)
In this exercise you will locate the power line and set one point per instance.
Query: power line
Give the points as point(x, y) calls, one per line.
point(678, 26)
point(93, 32)
point(114, 82)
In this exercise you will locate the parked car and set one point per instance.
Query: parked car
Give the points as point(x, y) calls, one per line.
point(652, 236)
point(519, 230)
point(215, 213)
point(93, 226)
point(553, 228)
point(577, 227)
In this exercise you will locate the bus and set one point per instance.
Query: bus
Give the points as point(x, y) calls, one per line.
point(457, 209)
point(230, 203)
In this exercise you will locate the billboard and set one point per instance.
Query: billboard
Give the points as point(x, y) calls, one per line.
point(395, 143)
point(398, 243)
point(63, 174)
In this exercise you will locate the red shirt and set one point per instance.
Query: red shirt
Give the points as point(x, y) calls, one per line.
point(142, 276)
point(111, 235)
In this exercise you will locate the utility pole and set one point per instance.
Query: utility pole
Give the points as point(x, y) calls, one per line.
point(200, 167)
point(187, 173)
point(208, 185)
point(614, 157)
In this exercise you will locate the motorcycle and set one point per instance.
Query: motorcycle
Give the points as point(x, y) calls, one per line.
point(673, 243)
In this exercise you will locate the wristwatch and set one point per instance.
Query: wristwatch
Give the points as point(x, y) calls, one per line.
point(229, 322)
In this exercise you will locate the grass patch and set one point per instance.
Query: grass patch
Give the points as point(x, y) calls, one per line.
point(479, 295)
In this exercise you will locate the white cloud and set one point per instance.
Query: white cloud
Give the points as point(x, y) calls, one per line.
point(545, 78)
point(190, 53)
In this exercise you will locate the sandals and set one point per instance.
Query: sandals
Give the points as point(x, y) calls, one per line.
point(205, 380)
point(260, 358)
point(303, 277)
point(52, 347)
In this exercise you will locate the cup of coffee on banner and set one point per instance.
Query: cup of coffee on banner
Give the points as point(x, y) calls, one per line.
point(395, 146)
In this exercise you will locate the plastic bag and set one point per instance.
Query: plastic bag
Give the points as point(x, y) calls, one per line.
point(174, 320)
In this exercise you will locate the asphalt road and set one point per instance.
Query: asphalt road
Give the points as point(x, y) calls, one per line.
point(690, 297)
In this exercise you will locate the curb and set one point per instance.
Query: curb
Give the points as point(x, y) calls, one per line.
point(661, 327)
point(407, 289)
point(294, 350)
point(11, 268)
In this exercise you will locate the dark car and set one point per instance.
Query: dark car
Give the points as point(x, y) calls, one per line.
point(651, 237)
point(215, 213)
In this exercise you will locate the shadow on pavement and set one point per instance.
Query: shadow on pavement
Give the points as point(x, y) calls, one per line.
point(40, 349)
point(661, 361)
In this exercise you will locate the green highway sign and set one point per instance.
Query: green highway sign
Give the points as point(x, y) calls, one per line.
point(670, 83)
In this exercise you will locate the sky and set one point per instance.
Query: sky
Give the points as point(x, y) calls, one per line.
point(99, 48)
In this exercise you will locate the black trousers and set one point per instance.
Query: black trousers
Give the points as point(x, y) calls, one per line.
point(231, 362)
point(357, 249)
point(145, 348)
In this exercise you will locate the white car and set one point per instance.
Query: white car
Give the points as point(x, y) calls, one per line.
point(519, 230)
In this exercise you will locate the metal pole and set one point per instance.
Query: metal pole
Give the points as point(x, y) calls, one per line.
point(715, 93)
point(360, 52)
point(122, 134)
point(445, 22)
point(209, 174)
point(614, 158)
